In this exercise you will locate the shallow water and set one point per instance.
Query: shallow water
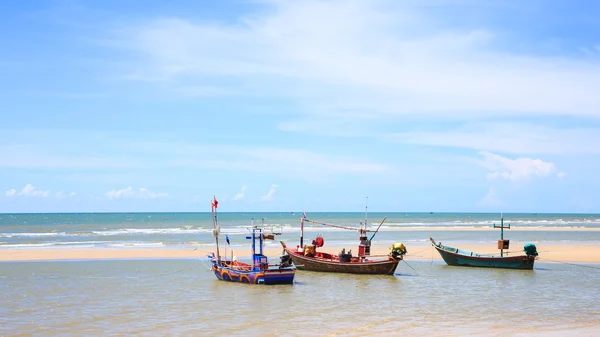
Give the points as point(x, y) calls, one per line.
point(181, 297)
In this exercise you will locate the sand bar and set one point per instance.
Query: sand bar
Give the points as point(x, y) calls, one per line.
point(553, 253)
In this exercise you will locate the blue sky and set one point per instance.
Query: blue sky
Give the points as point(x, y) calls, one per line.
point(300, 105)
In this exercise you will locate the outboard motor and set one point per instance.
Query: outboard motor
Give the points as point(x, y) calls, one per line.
point(530, 250)
point(345, 257)
point(398, 250)
point(286, 261)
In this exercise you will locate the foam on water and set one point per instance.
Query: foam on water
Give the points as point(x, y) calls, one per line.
point(173, 229)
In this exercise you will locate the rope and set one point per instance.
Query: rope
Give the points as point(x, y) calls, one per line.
point(331, 225)
point(417, 253)
point(432, 251)
point(572, 264)
point(409, 265)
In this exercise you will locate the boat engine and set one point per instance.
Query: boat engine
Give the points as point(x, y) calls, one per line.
point(398, 249)
point(345, 257)
point(286, 261)
point(530, 250)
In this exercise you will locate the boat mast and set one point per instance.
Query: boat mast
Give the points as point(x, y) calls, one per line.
point(501, 243)
point(260, 236)
point(502, 234)
point(253, 240)
point(216, 229)
point(302, 229)
point(366, 209)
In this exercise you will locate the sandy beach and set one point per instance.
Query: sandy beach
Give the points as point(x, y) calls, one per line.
point(554, 253)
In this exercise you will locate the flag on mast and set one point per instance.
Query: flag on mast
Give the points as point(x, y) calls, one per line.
point(214, 203)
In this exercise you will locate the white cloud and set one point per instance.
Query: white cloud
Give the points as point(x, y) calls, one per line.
point(28, 191)
point(31, 191)
point(289, 162)
point(269, 195)
point(140, 193)
point(385, 58)
point(517, 169)
point(240, 194)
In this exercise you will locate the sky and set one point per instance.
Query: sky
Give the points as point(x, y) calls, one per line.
point(442, 106)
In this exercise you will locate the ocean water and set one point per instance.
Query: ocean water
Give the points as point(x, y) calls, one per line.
point(187, 230)
point(180, 297)
point(151, 297)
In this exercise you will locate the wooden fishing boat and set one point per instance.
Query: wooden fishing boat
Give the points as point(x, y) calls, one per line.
point(259, 271)
point(307, 257)
point(325, 262)
point(460, 257)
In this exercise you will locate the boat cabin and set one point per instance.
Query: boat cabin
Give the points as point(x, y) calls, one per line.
point(260, 262)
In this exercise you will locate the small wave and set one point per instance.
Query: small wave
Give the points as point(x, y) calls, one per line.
point(49, 245)
point(41, 234)
point(150, 231)
point(137, 244)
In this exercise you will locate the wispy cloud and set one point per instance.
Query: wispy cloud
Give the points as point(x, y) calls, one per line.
point(516, 137)
point(130, 192)
point(142, 154)
point(385, 58)
point(517, 169)
point(288, 162)
point(270, 194)
point(240, 194)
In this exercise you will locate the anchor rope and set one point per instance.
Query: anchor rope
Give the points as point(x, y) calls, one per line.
point(417, 253)
point(571, 263)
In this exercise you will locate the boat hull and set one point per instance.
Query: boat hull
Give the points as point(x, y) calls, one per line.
point(458, 259)
point(381, 267)
point(267, 277)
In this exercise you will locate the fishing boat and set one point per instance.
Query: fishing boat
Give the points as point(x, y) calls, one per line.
point(257, 272)
point(460, 257)
point(307, 257)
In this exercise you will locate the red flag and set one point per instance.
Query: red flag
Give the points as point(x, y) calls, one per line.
point(215, 203)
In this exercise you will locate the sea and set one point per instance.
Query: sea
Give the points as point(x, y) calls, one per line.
point(181, 297)
point(194, 230)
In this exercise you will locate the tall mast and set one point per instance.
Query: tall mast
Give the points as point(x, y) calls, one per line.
point(502, 233)
point(366, 211)
point(216, 228)
point(253, 240)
